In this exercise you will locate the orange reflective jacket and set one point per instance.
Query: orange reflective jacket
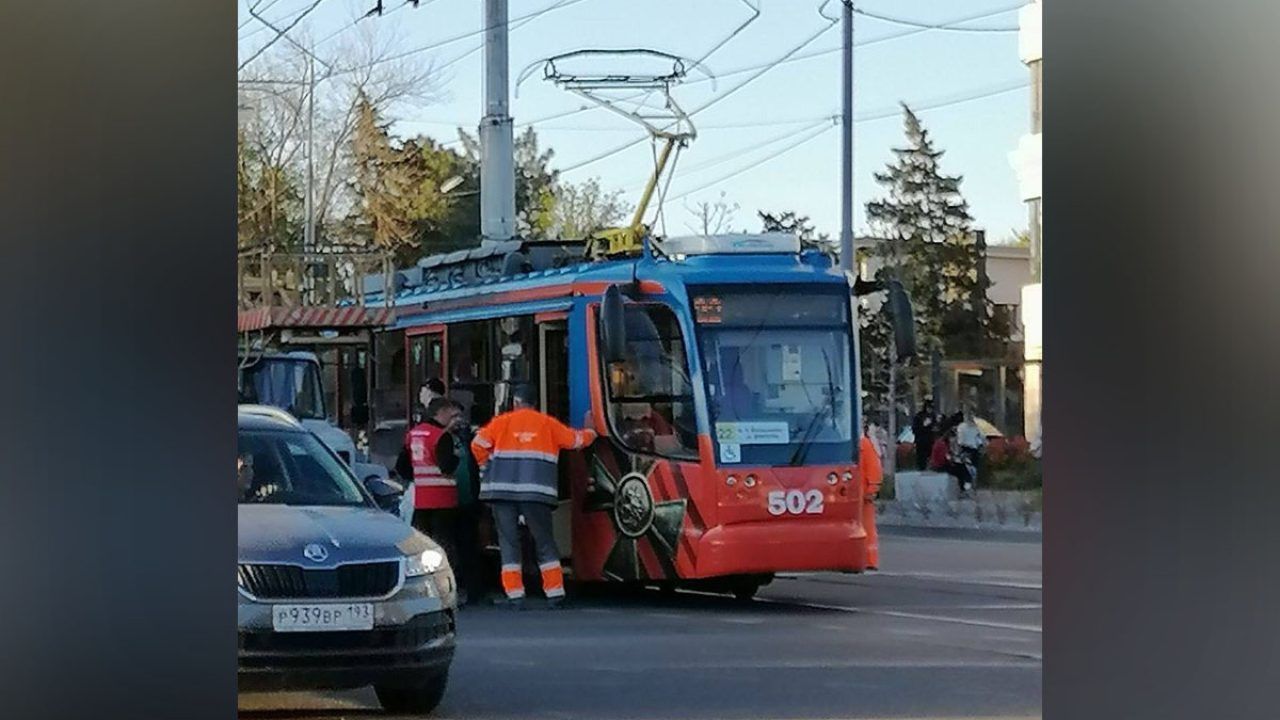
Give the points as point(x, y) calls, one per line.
point(869, 465)
point(522, 448)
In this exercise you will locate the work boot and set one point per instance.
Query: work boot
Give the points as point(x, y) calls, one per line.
point(511, 603)
point(555, 603)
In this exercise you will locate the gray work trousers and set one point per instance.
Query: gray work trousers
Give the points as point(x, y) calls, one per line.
point(537, 516)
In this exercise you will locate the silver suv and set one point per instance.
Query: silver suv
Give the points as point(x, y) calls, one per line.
point(335, 592)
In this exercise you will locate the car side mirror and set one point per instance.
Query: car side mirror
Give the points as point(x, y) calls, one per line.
point(386, 493)
point(613, 326)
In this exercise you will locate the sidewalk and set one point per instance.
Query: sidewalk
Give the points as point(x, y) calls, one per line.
point(986, 510)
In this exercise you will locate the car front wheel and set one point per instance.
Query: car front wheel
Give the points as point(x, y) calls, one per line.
point(417, 698)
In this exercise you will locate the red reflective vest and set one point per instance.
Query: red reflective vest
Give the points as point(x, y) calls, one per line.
point(432, 489)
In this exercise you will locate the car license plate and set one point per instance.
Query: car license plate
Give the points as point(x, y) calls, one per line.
point(322, 617)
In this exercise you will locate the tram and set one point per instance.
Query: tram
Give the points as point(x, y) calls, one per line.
point(721, 373)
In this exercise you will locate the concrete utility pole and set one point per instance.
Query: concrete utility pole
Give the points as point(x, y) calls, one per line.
point(497, 143)
point(846, 144)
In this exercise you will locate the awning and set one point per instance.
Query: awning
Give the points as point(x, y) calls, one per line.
point(315, 318)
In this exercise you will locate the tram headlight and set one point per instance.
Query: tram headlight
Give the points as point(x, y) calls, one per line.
point(832, 479)
point(731, 481)
point(848, 476)
point(750, 481)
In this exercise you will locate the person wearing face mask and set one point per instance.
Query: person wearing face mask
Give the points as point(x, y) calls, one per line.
point(431, 389)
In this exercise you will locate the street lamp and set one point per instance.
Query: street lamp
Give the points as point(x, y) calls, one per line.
point(448, 186)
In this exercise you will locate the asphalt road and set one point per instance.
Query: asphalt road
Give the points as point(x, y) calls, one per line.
point(950, 629)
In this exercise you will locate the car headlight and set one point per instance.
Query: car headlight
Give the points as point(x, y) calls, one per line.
point(427, 562)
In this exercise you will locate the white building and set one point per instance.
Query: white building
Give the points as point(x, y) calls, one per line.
point(1026, 162)
point(1008, 268)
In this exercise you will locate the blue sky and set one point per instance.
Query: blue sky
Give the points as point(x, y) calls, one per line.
point(921, 69)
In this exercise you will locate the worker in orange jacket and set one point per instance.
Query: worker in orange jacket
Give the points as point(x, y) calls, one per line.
point(522, 449)
point(872, 477)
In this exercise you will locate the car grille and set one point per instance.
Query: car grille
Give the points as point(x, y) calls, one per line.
point(356, 580)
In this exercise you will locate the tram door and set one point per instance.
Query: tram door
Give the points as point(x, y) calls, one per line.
point(426, 360)
point(553, 389)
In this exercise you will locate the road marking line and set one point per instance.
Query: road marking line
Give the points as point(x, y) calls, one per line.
point(909, 615)
point(940, 577)
point(668, 616)
point(812, 664)
point(742, 620)
point(966, 579)
point(989, 606)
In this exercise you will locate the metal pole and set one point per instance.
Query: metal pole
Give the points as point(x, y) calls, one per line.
point(891, 453)
point(846, 144)
point(497, 144)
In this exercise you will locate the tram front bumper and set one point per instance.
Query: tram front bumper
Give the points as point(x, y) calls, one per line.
point(781, 546)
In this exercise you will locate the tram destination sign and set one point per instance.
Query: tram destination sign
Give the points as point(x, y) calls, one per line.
point(775, 308)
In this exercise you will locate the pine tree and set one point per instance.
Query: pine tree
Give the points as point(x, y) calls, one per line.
point(789, 221)
point(929, 243)
point(268, 198)
point(387, 181)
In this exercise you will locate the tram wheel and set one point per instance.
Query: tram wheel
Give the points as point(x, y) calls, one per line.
point(746, 590)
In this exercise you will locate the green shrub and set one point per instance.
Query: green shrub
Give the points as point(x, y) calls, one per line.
point(1009, 465)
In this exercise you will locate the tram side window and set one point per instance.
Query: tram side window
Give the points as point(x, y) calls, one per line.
point(390, 384)
point(650, 398)
point(518, 358)
point(470, 374)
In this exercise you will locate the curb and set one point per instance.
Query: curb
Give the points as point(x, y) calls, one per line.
point(956, 533)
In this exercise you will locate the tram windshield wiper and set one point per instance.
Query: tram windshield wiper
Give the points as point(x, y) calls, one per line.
point(828, 408)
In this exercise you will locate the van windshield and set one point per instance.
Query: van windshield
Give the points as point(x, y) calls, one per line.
point(291, 384)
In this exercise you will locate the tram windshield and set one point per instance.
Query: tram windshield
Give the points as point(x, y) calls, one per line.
point(777, 364)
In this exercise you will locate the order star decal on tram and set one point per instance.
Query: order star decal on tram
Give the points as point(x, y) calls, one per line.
point(719, 371)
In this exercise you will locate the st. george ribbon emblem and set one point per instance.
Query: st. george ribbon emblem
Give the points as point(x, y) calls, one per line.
point(637, 518)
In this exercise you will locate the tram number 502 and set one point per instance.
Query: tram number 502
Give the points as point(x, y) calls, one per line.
point(795, 502)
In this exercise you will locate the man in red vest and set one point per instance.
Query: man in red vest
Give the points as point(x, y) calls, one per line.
point(430, 458)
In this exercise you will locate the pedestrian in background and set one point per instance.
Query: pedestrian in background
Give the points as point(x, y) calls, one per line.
point(943, 458)
point(520, 452)
point(972, 441)
point(433, 388)
point(924, 431)
point(467, 477)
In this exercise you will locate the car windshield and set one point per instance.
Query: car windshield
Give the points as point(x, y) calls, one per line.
point(292, 468)
point(778, 375)
point(291, 384)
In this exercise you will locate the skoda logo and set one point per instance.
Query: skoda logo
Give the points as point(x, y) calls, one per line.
point(315, 552)
point(633, 506)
